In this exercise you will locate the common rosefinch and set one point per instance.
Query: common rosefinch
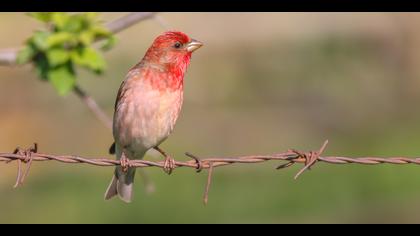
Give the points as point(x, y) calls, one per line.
point(148, 104)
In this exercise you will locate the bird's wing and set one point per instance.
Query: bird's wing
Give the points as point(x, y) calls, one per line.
point(120, 94)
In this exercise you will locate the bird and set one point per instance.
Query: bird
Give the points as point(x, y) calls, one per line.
point(147, 107)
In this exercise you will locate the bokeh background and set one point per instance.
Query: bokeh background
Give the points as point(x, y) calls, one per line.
point(263, 83)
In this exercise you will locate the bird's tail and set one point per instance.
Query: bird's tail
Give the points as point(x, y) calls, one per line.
point(121, 184)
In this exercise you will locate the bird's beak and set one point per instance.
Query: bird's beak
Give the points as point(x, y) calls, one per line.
point(194, 45)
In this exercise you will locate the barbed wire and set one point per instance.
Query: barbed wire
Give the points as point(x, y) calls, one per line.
point(291, 156)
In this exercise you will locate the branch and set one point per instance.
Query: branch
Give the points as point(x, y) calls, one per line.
point(291, 157)
point(129, 20)
point(93, 106)
point(8, 56)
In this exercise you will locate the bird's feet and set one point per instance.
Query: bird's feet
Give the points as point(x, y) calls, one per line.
point(124, 163)
point(169, 164)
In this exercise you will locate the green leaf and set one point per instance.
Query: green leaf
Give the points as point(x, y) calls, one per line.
point(41, 66)
point(91, 16)
point(75, 24)
point(42, 16)
point(60, 38)
point(65, 43)
point(60, 19)
point(86, 38)
point(89, 58)
point(63, 79)
point(39, 39)
point(109, 43)
point(25, 55)
point(57, 56)
point(101, 31)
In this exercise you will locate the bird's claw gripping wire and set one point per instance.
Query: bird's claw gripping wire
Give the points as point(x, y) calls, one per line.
point(125, 163)
point(169, 163)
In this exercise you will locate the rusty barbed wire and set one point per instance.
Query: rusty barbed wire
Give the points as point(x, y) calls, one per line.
point(292, 156)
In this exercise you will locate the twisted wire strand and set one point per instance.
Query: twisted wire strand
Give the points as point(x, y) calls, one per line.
point(290, 156)
point(28, 156)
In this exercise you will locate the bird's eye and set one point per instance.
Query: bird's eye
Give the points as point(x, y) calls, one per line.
point(177, 45)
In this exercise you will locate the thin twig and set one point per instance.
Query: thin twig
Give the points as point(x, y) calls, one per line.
point(129, 20)
point(162, 22)
point(93, 106)
point(8, 57)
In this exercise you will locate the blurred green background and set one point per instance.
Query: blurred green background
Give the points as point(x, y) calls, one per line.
point(263, 83)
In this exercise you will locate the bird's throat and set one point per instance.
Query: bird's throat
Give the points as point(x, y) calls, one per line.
point(164, 80)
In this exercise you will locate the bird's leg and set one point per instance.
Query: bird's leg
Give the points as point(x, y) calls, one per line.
point(169, 163)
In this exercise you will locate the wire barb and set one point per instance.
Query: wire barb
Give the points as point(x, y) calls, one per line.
point(27, 154)
point(197, 160)
point(310, 158)
point(209, 179)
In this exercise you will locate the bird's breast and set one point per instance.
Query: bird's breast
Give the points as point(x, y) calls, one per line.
point(146, 117)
